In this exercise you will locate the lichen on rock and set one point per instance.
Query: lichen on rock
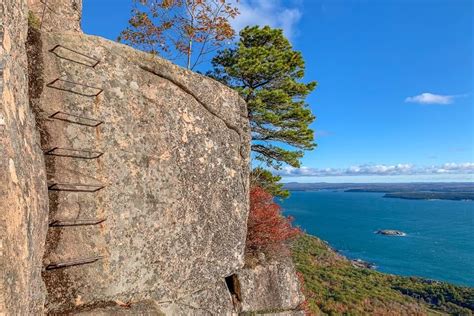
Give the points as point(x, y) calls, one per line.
point(147, 167)
point(271, 287)
point(23, 191)
point(174, 166)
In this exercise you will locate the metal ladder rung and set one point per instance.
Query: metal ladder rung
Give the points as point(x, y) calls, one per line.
point(73, 262)
point(62, 51)
point(73, 153)
point(73, 87)
point(75, 119)
point(75, 187)
point(76, 222)
point(46, 5)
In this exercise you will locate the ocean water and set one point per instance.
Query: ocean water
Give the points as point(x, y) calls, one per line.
point(440, 234)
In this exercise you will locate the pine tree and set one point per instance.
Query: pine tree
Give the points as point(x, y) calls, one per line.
point(264, 179)
point(267, 73)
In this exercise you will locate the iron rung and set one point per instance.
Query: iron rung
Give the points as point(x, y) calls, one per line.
point(75, 119)
point(62, 52)
point(73, 87)
point(75, 187)
point(74, 262)
point(73, 153)
point(77, 222)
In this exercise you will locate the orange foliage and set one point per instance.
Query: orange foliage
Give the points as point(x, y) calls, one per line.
point(177, 28)
point(268, 229)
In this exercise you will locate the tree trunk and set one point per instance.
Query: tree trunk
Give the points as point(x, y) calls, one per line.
point(190, 45)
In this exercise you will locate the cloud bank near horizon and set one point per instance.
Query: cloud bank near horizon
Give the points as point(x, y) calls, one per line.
point(379, 170)
point(267, 12)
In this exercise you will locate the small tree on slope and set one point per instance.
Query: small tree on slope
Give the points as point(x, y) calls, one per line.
point(267, 229)
point(260, 177)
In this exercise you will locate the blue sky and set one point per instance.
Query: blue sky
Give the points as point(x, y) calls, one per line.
point(395, 95)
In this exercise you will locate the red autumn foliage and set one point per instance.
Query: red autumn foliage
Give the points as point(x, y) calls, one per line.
point(267, 229)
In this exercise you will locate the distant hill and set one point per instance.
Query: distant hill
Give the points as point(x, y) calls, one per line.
point(455, 196)
point(417, 191)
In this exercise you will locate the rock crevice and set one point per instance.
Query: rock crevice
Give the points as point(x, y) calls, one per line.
point(186, 90)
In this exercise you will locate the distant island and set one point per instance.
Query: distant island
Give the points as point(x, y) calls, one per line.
point(390, 232)
point(455, 196)
point(414, 191)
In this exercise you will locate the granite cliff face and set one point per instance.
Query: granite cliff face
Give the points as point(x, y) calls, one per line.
point(126, 183)
point(23, 190)
point(277, 287)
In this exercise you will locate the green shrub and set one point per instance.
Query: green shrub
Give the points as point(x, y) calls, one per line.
point(334, 286)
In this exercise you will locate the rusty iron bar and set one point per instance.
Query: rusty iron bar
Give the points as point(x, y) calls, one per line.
point(76, 222)
point(75, 187)
point(75, 119)
point(45, 5)
point(51, 85)
point(73, 153)
point(92, 64)
point(73, 262)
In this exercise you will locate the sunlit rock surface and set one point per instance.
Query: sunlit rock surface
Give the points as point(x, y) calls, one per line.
point(171, 179)
point(23, 191)
point(271, 288)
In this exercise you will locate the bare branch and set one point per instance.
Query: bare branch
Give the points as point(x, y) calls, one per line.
point(187, 27)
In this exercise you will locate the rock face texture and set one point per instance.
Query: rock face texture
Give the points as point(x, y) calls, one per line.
point(273, 286)
point(23, 191)
point(146, 166)
point(124, 183)
point(162, 179)
point(57, 15)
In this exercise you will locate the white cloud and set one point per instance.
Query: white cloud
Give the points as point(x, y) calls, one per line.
point(379, 170)
point(430, 98)
point(467, 167)
point(267, 12)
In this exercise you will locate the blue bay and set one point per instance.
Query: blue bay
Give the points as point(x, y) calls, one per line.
point(440, 234)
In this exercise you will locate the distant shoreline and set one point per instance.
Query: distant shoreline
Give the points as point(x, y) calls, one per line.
point(468, 197)
point(453, 196)
point(328, 272)
point(461, 191)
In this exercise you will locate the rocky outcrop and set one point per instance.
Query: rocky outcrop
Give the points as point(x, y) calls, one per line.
point(215, 299)
point(165, 173)
point(124, 179)
point(23, 191)
point(272, 287)
point(57, 15)
point(146, 165)
point(390, 232)
point(148, 308)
